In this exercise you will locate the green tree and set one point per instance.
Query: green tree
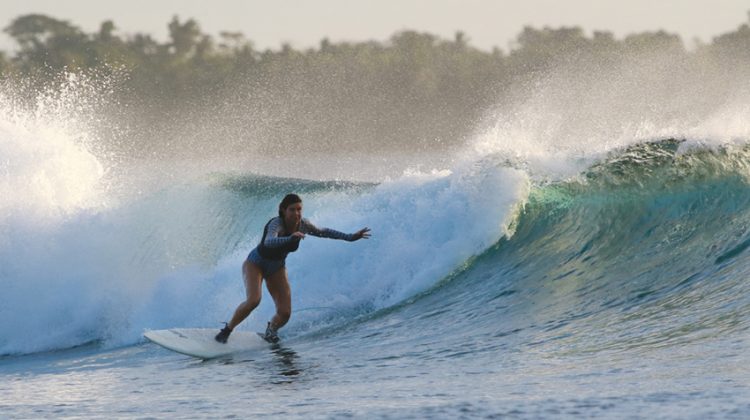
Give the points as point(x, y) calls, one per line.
point(5, 66)
point(185, 37)
point(657, 42)
point(48, 43)
point(540, 50)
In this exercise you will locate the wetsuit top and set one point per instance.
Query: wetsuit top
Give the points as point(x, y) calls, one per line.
point(277, 244)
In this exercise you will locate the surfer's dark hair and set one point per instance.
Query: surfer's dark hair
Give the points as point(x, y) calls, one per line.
point(288, 200)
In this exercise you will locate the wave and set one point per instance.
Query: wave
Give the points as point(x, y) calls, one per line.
point(653, 233)
point(645, 250)
point(643, 247)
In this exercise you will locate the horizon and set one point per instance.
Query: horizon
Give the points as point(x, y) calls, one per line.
point(486, 24)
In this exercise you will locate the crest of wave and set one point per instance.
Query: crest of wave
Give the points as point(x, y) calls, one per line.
point(564, 120)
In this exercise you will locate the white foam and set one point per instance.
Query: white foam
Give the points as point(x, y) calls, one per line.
point(46, 170)
point(424, 226)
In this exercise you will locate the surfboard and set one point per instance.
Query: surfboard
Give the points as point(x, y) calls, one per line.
point(200, 342)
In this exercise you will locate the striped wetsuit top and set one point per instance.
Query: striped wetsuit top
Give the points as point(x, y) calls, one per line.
point(277, 244)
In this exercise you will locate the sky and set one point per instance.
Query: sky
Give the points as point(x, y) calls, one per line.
point(303, 24)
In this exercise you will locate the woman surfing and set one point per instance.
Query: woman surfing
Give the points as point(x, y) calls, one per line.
point(281, 236)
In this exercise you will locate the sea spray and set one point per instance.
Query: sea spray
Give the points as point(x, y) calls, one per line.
point(47, 166)
point(568, 118)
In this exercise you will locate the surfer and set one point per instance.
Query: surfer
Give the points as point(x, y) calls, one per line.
point(281, 236)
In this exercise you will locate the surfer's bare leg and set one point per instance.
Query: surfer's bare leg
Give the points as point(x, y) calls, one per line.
point(253, 280)
point(278, 287)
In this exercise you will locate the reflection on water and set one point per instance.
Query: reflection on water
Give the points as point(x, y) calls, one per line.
point(286, 360)
point(283, 358)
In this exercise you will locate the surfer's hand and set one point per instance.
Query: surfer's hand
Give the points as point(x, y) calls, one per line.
point(362, 234)
point(298, 235)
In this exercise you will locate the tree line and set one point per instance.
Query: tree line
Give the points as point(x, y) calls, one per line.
point(414, 87)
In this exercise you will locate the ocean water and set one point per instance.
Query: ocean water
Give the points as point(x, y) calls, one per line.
point(541, 283)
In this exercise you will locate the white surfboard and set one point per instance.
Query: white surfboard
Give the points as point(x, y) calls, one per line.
point(200, 342)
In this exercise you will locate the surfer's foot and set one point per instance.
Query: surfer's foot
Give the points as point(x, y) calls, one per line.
point(271, 336)
point(223, 335)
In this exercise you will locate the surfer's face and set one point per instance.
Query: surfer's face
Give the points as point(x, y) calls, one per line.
point(293, 214)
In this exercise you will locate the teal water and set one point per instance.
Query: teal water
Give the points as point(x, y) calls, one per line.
point(619, 292)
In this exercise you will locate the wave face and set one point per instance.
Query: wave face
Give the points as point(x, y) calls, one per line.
point(642, 257)
point(646, 249)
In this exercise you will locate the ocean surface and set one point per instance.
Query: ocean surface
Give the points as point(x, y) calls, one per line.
point(498, 285)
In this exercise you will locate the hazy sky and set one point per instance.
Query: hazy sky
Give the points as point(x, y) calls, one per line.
point(304, 23)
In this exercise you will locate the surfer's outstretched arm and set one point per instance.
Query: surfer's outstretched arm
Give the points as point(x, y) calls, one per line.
point(309, 228)
point(363, 233)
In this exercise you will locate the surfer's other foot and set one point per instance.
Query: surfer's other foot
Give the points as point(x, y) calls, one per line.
point(271, 336)
point(223, 335)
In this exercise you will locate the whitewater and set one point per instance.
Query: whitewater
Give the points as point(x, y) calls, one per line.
point(544, 270)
